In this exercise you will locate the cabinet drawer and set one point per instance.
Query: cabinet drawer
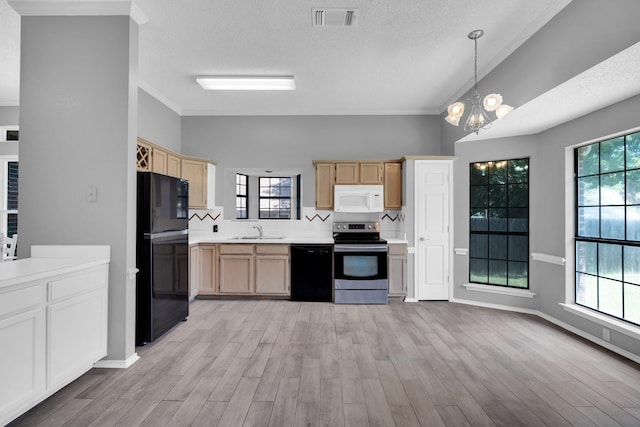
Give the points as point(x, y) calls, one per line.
point(397, 249)
point(75, 285)
point(14, 302)
point(236, 249)
point(272, 249)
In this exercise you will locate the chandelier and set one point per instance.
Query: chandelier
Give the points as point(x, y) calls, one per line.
point(478, 118)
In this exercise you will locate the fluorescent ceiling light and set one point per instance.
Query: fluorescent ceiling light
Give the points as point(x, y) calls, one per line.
point(246, 82)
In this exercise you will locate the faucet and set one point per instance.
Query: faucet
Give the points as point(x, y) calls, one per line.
point(259, 228)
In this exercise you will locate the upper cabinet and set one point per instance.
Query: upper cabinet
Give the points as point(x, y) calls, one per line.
point(199, 172)
point(384, 172)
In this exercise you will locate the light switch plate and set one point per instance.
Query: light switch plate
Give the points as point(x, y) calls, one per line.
point(92, 193)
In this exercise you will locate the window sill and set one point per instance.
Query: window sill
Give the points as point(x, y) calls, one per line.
point(604, 320)
point(523, 293)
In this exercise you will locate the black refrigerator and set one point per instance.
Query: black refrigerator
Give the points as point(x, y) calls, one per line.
point(162, 255)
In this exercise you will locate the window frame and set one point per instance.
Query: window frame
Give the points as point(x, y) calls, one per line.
point(488, 232)
point(4, 211)
point(244, 196)
point(261, 198)
point(598, 241)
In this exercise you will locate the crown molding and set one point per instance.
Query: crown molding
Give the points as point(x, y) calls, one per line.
point(79, 8)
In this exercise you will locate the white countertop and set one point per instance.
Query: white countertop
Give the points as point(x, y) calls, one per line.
point(32, 269)
point(285, 240)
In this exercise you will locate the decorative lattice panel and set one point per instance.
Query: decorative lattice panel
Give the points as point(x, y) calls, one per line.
point(143, 158)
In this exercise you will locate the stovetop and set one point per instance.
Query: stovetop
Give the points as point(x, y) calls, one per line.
point(367, 232)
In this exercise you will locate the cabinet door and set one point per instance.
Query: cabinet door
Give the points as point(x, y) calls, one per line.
point(393, 185)
point(207, 271)
point(195, 172)
point(397, 268)
point(325, 178)
point(272, 274)
point(173, 165)
point(159, 161)
point(143, 156)
point(370, 173)
point(347, 173)
point(236, 274)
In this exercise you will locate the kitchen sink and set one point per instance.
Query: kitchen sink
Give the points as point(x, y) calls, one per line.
point(257, 238)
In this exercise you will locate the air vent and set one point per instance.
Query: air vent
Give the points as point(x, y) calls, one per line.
point(332, 17)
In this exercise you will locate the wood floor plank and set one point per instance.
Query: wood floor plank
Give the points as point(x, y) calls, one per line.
point(258, 414)
point(355, 415)
point(284, 407)
point(239, 404)
point(269, 381)
point(210, 414)
point(192, 405)
point(162, 413)
point(310, 381)
point(378, 408)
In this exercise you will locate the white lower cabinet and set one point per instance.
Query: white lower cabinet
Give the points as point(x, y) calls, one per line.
point(51, 331)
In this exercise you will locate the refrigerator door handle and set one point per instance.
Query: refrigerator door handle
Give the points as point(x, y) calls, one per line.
point(165, 234)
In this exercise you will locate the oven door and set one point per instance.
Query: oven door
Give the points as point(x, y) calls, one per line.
point(360, 262)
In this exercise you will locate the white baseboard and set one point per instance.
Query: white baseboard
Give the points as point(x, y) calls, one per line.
point(556, 322)
point(117, 364)
point(407, 299)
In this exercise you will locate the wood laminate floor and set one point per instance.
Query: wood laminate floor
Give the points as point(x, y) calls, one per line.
point(283, 363)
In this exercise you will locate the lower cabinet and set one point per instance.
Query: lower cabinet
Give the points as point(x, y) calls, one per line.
point(397, 269)
point(241, 269)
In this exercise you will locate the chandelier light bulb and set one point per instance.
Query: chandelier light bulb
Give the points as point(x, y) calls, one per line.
point(503, 111)
point(453, 120)
point(492, 101)
point(456, 110)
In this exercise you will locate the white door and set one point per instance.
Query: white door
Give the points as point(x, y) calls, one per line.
point(433, 218)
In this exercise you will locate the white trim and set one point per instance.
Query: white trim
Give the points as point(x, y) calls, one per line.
point(117, 364)
point(503, 290)
point(557, 322)
point(461, 251)
point(77, 8)
point(407, 299)
point(551, 259)
point(160, 97)
point(604, 320)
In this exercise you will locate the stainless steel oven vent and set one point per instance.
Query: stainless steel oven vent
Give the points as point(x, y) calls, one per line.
point(334, 17)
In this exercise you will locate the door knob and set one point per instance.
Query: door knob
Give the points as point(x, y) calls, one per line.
point(422, 239)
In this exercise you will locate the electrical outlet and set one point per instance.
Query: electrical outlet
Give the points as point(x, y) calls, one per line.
point(606, 334)
point(215, 228)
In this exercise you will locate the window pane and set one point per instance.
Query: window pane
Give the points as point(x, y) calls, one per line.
point(498, 272)
point(610, 261)
point(518, 195)
point(633, 223)
point(498, 173)
point(518, 219)
point(632, 265)
point(478, 270)
point(612, 223)
point(518, 274)
point(612, 155)
point(589, 191)
point(478, 174)
point(612, 189)
point(518, 248)
point(633, 187)
point(12, 224)
point(498, 219)
point(12, 185)
point(587, 290)
point(587, 257)
point(588, 160)
point(479, 246)
point(479, 197)
point(610, 297)
point(633, 151)
point(518, 170)
point(632, 303)
point(498, 247)
point(589, 222)
point(498, 196)
point(478, 220)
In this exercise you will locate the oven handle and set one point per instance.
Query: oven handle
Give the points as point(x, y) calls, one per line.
point(360, 248)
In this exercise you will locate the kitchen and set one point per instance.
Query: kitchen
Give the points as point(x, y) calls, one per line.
point(232, 142)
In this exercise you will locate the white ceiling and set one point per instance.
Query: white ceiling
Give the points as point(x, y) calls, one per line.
point(401, 57)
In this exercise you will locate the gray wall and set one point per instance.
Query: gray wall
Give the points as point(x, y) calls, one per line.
point(547, 212)
point(157, 122)
point(294, 141)
point(78, 118)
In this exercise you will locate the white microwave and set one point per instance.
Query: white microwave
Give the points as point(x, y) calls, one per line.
point(358, 198)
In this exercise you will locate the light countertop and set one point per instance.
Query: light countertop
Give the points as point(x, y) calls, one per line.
point(288, 240)
point(32, 269)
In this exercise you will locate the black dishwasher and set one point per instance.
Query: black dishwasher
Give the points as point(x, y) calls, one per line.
point(311, 272)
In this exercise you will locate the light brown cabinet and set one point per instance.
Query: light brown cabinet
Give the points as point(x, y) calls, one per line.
point(325, 178)
point(204, 269)
point(393, 185)
point(335, 172)
point(174, 165)
point(195, 171)
point(143, 156)
point(236, 269)
point(397, 267)
point(272, 270)
point(371, 173)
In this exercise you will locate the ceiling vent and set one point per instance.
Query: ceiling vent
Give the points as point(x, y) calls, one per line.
point(332, 17)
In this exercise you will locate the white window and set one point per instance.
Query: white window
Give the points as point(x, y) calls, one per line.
point(9, 202)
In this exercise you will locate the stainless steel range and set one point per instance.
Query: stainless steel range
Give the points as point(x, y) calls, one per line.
point(360, 263)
